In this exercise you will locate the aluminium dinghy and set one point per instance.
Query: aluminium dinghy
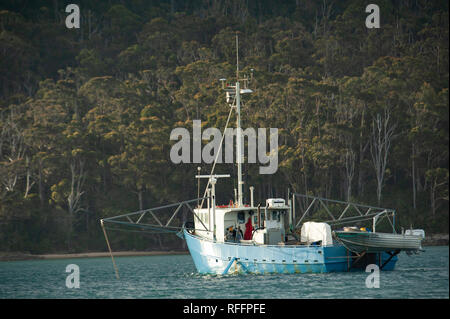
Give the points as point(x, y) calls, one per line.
point(363, 241)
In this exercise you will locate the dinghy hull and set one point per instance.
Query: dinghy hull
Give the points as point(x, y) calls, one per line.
point(359, 242)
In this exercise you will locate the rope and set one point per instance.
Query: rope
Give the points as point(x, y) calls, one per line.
point(141, 231)
point(217, 156)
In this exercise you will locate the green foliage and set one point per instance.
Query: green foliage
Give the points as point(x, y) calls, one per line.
point(86, 114)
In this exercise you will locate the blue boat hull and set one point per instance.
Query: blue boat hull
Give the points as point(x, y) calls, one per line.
point(223, 258)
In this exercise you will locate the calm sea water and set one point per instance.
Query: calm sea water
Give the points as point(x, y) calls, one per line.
point(419, 276)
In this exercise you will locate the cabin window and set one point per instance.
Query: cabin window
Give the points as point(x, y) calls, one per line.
point(241, 217)
point(276, 216)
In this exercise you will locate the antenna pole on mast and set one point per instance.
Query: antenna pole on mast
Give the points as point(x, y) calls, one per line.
point(237, 58)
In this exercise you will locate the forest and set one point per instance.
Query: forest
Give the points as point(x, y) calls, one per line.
point(86, 113)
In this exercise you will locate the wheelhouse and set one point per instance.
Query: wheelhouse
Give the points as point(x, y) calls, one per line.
point(247, 224)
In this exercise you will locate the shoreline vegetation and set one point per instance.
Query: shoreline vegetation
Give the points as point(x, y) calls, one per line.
point(88, 115)
point(431, 240)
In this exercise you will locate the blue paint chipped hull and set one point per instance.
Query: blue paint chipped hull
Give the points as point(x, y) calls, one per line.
point(226, 258)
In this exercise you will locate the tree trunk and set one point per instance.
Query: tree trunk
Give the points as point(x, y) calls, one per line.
point(29, 184)
point(362, 150)
point(41, 187)
point(414, 175)
point(382, 135)
point(141, 206)
point(433, 198)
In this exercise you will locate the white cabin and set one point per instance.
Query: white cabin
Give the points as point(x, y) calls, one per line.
point(269, 225)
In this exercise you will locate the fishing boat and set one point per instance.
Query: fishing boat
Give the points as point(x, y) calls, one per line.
point(272, 236)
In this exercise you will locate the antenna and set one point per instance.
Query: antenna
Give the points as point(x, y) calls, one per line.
point(237, 57)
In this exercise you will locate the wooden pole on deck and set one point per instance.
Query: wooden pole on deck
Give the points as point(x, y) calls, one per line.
point(110, 251)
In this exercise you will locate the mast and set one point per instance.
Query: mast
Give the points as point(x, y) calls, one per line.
point(233, 98)
point(238, 143)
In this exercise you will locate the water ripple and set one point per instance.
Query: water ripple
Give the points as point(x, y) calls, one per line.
point(422, 276)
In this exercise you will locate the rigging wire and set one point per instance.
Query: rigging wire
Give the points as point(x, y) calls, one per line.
point(218, 153)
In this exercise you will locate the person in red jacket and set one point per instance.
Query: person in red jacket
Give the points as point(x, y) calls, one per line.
point(248, 229)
